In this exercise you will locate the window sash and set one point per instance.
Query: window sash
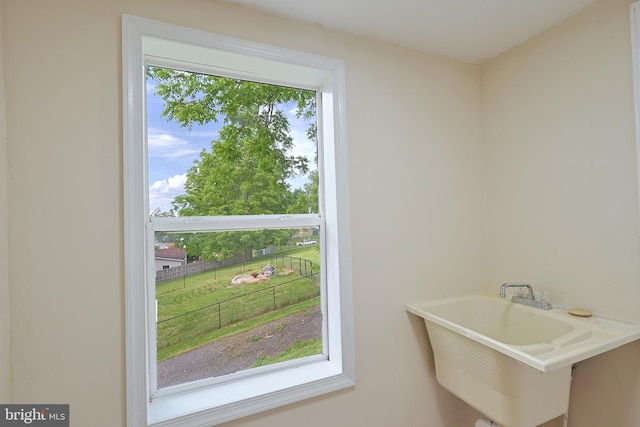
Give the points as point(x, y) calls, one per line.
point(231, 223)
point(219, 224)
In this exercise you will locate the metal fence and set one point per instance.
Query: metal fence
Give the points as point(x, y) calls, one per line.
point(198, 267)
point(266, 251)
point(190, 325)
point(304, 267)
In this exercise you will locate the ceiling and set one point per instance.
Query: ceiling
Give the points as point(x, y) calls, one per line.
point(467, 30)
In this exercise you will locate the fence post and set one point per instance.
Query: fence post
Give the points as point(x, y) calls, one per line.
point(219, 317)
point(273, 288)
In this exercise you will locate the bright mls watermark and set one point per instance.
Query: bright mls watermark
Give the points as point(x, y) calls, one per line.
point(34, 415)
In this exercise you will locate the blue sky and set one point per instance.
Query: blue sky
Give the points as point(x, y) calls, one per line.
point(173, 149)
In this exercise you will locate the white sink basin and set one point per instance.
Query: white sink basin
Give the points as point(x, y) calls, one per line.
point(500, 356)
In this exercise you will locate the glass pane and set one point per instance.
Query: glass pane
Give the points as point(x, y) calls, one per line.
point(222, 146)
point(230, 301)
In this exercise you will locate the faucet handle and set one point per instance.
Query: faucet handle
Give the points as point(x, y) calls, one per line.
point(542, 296)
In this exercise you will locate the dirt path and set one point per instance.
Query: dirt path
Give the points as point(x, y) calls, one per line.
point(240, 351)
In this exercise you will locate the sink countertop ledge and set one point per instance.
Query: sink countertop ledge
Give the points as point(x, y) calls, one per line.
point(557, 340)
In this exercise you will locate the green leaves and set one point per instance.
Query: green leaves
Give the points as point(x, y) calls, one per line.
point(248, 168)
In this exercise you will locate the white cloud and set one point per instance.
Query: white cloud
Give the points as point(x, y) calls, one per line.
point(302, 145)
point(166, 145)
point(213, 134)
point(162, 192)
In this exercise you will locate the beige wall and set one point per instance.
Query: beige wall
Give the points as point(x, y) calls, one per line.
point(562, 180)
point(417, 203)
point(4, 245)
point(541, 137)
point(561, 162)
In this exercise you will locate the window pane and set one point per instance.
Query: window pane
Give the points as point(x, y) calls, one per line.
point(235, 300)
point(223, 146)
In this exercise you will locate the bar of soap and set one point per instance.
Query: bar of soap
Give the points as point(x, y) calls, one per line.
point(580, 312)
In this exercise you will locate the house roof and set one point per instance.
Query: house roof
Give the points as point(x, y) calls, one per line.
point(172, 253)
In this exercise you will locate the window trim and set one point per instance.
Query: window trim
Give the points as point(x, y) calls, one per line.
point(268, 388)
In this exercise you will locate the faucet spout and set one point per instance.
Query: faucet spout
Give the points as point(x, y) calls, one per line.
point(503, 288)
point(528, 300)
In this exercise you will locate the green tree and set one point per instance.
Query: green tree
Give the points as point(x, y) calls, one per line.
point(305, 200)
point(247, 169)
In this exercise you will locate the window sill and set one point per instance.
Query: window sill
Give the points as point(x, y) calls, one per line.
point(234, 399)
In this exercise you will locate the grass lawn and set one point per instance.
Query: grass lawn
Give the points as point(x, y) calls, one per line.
point(199, 309)
point(297, 350)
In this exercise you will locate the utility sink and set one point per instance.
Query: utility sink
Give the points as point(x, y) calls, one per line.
point(510, 361)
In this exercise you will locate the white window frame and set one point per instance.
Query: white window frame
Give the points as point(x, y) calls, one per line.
point(214, 401)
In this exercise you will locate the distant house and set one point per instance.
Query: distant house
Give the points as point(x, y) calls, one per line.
point(170, 257)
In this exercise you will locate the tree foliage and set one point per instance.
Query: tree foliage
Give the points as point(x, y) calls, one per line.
point(305, 200)
point(246, 172)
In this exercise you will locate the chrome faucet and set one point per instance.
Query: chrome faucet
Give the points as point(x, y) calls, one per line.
point(528, 300)
point(503, 288)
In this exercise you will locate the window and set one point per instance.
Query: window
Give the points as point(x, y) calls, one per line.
point(222, 397)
